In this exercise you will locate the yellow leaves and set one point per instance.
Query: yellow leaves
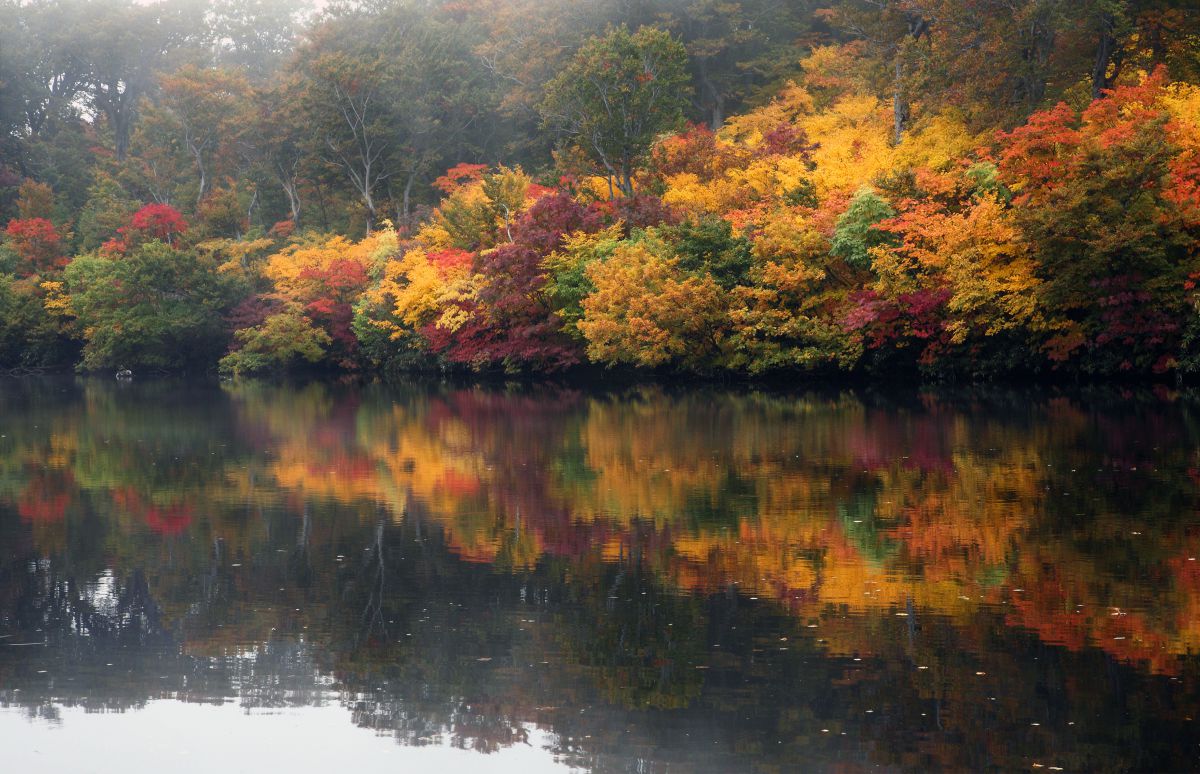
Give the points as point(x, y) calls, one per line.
point(1182, 102)
point(470, 217)
point(582, 247)
point(595, 188)
point(979, 252)
point(763, 180)
point(285, 268)
point(234, 256)
point(783, 243)
point(417, 288)
point(291, 268)
point(379, 246)
point(434, 236)
point(644, 311)
point(853, 140)
point(786, 109)
point(938, 142)
point(688, 193)
point(767, 178)
point(57, 301)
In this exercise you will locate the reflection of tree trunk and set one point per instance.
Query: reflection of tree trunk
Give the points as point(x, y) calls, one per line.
point(305, 529)
point(373, 612)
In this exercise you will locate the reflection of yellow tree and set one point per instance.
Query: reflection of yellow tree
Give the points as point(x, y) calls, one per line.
point(820, 503)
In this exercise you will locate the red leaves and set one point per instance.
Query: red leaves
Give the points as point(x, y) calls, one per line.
point(37, 244)
point(785, 140)
point(156, 221)
point(331, 292)
point(169, 519)
point(1035, 152)
point(542, 227)
point(46, 497)
point(909, 318)
point(1132, 322)
point(638, 211)
point(153, 221)
point(448, 260)
point(510, 323)
point(338, 275)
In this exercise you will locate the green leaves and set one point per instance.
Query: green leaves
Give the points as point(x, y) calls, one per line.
point(157, 307)
point(619, 93)
point(856, 233)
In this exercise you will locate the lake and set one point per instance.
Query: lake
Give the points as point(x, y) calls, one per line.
point(433, 577)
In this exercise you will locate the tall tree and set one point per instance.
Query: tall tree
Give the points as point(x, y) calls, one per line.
point(208, 108)
point(126, 45)
point(619, 93)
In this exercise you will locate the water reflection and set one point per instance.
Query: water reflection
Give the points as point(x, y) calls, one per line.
point(640, 580)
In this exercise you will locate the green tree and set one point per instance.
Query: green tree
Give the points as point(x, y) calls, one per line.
point(281, 341)
point(158, 307)
point(619, 93)
point(856, 233)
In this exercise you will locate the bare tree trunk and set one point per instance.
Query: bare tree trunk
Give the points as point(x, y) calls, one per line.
point(293, 195)
point(203, 172)
point(900, 109)
point(412, 178)
point(1108, 57)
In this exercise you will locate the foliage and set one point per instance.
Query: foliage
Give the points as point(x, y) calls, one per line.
point(857, 234)
point(37, 245)
point(276, 344)
point(156, 307)
point(647, 311)
point(956, 189)
point(617, 95)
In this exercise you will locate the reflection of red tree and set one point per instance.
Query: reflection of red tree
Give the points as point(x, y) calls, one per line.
point(459, 484)
point(164, 519)
point(44, 500)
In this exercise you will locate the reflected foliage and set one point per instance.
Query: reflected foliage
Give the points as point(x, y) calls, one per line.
point(664, 579)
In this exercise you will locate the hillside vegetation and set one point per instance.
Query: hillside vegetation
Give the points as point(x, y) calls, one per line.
point(947, 189)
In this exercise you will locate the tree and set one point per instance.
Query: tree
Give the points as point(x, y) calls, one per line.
point(619, 93)
point(208, 107)
point(156, 307)
point(253, 37)
point(126, 44)
point(856, 233)
point(892, 29)
point(647, 312)
point(736, 50)
point(274, 140)
point(37, 244)
point(280, 342)
point(1096, 197)
point(387, 97)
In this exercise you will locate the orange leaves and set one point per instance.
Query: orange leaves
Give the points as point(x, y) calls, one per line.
point(37, 244)
point(645, 312)
point(459, 176)
point(1033, 153)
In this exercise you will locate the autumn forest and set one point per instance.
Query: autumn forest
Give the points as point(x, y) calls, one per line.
point(939, 189)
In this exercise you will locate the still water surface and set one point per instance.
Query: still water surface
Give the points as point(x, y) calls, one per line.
point(443, 578)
